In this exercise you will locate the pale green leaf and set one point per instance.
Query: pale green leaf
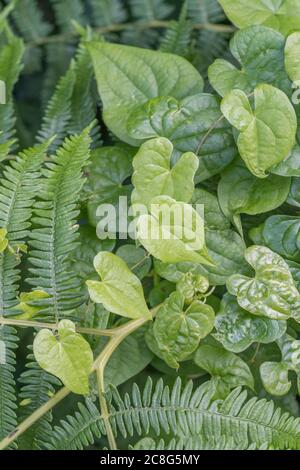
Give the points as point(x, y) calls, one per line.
point(268, 137)
point(153, 175)
point(292, 56)
point(282, 15)
point(119, 290)
point(173, 232)
point(67, 356)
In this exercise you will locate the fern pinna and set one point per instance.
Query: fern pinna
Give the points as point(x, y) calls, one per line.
point(113, 335)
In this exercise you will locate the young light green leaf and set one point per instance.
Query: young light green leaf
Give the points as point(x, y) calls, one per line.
point(267, 135)
point(292, 56)
point(3, 240)
point(237, 329)
point(27, 304)
point(128, 77)
point(260, 51)
point(153, 175)
point(67, 356)
point(178, 332)
point(282, 15)
point(272, 292)
point(227, 369)
point(119, 290)
point(192, 285)
point(274, 376)
point(173, 232)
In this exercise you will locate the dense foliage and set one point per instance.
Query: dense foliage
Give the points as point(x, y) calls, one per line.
point(149, 342)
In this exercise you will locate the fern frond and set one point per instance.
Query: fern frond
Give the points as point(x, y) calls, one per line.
point(29, 20)
point(8, 343)
point(37, 387)
point(83, 106)
point(58, 112)
point(150, 9)
point(10, 67)
point(185, 413)
point(209, 44)
point(55, 237)
point(66, 11)
point(17, 191)
point(192, 443)
point(107, 12)
point(178, 35)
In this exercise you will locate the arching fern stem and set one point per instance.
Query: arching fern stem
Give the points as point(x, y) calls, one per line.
point(117, 335)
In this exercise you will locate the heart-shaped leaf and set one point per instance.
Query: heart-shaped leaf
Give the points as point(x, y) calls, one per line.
point(68, 356)
point(153, 175)
point(267, 134)
point(173, 232)
point(120, 291)
point(282, 15)
point(177, 333)
point(260, 51)
point(272, 292)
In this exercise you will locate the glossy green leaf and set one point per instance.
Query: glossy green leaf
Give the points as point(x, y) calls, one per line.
point(260, 51)
point(173, 232)
point(119, 290)
point(274, 376)
point(128, 77)
point(240, 192)
point(272, 292)
point(227, 369)
point(153, 175)
point(67, 356)
point(237, 329)
point(282, 15)
point(281, 233)
point(193, 124)
point(267, 134)
point(178, 332)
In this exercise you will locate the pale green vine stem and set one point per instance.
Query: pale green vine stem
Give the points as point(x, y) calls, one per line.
point(117, 336)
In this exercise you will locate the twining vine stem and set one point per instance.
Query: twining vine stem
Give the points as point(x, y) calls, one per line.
point(117, 335)
point(138, 25)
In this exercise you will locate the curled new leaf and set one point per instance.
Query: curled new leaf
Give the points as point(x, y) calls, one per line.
point(272, 292)
point(173, 232)
point(67, 356)
point(267, 133)
point(120, 291)
point(153, 175)
point(177, 332)
point(237, 329)
point(192, 285)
